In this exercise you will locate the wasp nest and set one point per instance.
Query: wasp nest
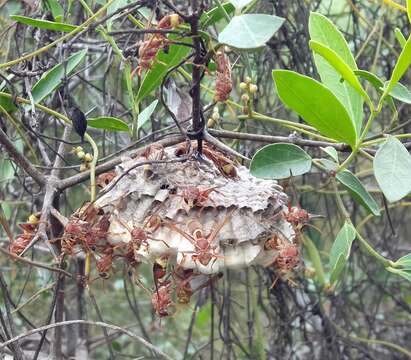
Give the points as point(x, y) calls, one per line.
point(206, 215)
point(189, 217)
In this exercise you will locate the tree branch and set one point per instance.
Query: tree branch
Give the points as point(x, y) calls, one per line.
point(21, 160)
point(109, 165)
point(292, 139)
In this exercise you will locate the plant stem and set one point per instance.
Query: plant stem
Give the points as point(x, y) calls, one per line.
point(368, 248)
point(364, 133)
point(306, 129)
point(315, 259)
point(19, 131)
point(67, 120)
point(198, 121)
point(386, 262)
point(59, 40)
point(103, 32)
point(92, 167)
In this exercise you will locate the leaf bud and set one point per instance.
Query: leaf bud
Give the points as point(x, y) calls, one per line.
point(81, 154)
point(210, 123)
point(245, 98)
point(253, 88)
point(33, 219)
point(88, 157)
point(174, 20)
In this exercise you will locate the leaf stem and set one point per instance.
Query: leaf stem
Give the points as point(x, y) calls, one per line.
point(366, 246)
point(92, 167)
point(370, 250)
point(364, 133)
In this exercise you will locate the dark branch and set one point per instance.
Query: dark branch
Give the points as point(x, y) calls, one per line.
point(21, 160)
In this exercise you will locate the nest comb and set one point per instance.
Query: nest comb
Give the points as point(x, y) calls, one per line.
point(245, 210)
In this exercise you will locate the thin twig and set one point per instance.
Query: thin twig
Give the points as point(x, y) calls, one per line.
point(21, 160)
point(92, 323)
point(35, 263)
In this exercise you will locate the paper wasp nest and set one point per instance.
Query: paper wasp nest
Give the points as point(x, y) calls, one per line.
point(204, 215)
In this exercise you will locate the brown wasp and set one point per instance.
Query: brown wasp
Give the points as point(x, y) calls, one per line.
point(105, 263)
point(193, 196)
point(139, 236)
point(104, 179)
point(19, 244)
point(159, 270)
point(297, 217)
point(161, 299)
point(204, 251)
point(85, 233)
point(225, 165)
point(183, 289)
point(287, 257)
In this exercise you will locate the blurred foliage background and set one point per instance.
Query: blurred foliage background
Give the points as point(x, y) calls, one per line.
point(367, 316)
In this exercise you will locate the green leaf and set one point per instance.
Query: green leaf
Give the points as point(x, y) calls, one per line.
point(6, 171)
point(280, 161)
point(56, 9)
point(404, 273)
point(114, 6)
point(145, 114)
point(324, 31)
point(358, 191)
point(7, 104)
point(403, 62)
point(329, 150)
point(215, 14)
point(52, 78)
point(239, 4)
point(116, 346)
point(377, 83)
point(250, 31)
point(340, 250)
point(316, 104)
point(328, 164)
point(340, 66)
point(164, 61)
point(129, 87)
point(7, 208)
point(392, 169)
point(400, 37)
point(404, 262)
point(373, 79)
point(44, 24)
point(409, 10)
point(108, 123)
point(203, 316)
point(401, 93)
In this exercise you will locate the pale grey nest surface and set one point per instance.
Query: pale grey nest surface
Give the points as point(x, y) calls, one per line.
point(250, 207)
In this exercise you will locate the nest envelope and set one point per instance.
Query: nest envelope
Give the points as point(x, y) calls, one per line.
point(237, 212)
